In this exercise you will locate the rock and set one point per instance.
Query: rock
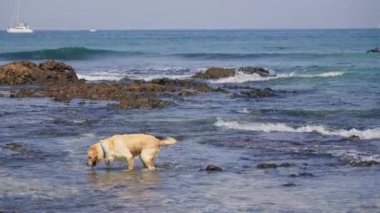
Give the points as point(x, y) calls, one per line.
point(256, 70)
point(13, 147)
point(256, 93)
point(187, 92)
point(213, 168)
point(274, 166)
point(302, 174)
point(129, 95)
point(289, 185)
point(354, 138)
point(60, 82)
point(215, 73)
point(26, 72)
point(374, 50)
point(141, 102)
point(267, 166)
point(286, 165)
point(63, 71)
point(364, 163)
point(183, 83)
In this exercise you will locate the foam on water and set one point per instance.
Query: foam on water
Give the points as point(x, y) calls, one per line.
point(354, 157)
point(241, 77)
point(282, 127)
point(149, 77)
point(101, 76)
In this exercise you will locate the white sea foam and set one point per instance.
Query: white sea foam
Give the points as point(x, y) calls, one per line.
point(242, 77)
point(101, 76)
point(157, 76)
point(354, 157)
point(282, 127)
point(104, 76)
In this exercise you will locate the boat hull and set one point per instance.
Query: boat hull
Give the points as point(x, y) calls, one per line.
point(15, 30)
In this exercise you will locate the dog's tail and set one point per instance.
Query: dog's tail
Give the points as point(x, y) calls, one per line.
point(168, 141)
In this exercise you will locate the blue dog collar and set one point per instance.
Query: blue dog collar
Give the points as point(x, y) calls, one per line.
point(104, 150)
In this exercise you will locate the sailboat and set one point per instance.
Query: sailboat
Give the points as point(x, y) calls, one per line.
point(20, 27)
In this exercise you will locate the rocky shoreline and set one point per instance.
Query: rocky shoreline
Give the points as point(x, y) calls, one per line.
point(59, 81)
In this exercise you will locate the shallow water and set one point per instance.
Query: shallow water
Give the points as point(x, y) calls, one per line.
point(326, 89)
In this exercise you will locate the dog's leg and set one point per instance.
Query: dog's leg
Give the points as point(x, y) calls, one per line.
point(131, 163)
point(108, 163)
point(147, 157)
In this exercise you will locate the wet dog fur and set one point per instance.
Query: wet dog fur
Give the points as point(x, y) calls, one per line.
point(127, 147)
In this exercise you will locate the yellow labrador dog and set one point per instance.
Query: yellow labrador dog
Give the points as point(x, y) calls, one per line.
point(127, 147)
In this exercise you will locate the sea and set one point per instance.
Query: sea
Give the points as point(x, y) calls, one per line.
point(326, 90)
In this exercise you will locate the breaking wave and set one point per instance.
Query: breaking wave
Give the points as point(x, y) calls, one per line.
point(236, 56)
point(65, 53)
point(241, 77)
point(282, 127)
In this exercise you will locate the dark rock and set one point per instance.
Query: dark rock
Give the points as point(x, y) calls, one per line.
point(215, 73)
point(186, 93)
point(256, 93)
point(13, 147)
point(185, 83)
point(256, 70)
point(289, 185)
point(302, 174)
point(63, 71)
point(306, 174)
point(132, 95)
point(274, 166)
point(354, 138)
point(364, 163)
point(26, 72)
point(141, 102)
point(267, 166)
point(286, 165)
point(213, 168)
point(222, 90)
point(374, 50)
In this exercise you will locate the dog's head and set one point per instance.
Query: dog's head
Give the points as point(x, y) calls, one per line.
point(92, 156)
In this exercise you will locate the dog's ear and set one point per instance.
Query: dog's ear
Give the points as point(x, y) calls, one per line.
point(93, 153)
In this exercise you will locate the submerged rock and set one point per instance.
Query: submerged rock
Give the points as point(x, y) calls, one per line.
point(289, 185)
point(256, 70)
point(16, 147)
point(274, 166)
point(364, 163)
point(302, 174)
point(212, 168)
point(26, 72)
point(374, 50)
point(183, 83)
point(215, 73)
point(255, 93)
point(267, 166)
point(141, 102)
point(354, 138)
point(187, 92)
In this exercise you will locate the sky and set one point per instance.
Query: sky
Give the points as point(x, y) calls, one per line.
point(193, 14)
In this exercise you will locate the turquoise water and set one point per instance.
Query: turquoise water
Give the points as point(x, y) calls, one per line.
point(326, 89)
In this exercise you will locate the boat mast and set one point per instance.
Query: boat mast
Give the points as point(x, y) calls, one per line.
point(18, 12)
